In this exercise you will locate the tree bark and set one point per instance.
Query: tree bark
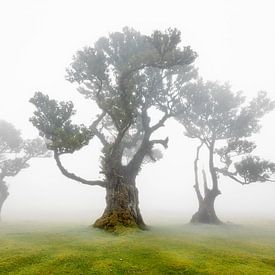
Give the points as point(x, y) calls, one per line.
point(122, 205)
point(206, 212)
point(3, 196)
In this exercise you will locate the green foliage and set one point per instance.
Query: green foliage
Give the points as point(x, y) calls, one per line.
point(233, 148)
point(16, 152)
point(127, 74)
point(213, 113)
point(253, 169)
point(10, 138)
point(209, 109)
point(248, 118)
point(10, 167)
point(53, 120)
point(35, 148)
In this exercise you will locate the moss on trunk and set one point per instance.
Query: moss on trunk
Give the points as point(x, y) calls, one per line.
point(122, 207)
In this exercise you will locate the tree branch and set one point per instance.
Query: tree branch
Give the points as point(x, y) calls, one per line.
point(211, 166)
point(244, 182)
point(163, 142)
point(96, 132)
point(137, 159)
point(145, 119)
point(206, 189)
point(160, 123)
point(99, 118)
point(100, 136)
point(231, 175)
point(196, 186)
point(101, 106)
point(73, 176)
point(13, 171)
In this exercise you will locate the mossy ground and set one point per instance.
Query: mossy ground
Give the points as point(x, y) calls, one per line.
point(183, 249)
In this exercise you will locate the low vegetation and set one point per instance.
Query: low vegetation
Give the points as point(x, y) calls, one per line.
point(185, 249)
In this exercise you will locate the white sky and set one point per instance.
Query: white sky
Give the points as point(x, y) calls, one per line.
point(235, 41)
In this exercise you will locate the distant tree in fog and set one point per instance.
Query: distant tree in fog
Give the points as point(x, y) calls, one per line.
point(222, 121)
point(129, 76)
point(15, 154)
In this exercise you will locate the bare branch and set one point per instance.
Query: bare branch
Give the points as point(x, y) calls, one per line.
point(145, 119)
point(137, 159)
point(206, 189)
point(101, 106)
point(97, 121)
point(96, 132)
point(163, 142)
point(211, 165)
point(196, 186)
point(73, 176)
point(160, 123)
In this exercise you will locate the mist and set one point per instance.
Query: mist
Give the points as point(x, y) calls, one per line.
point(42, 193)
point(235, 43)
point(129, 139)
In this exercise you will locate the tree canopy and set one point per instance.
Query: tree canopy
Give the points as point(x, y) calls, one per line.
point(129, 76)
point(218, 117)
point(15, 153)
point(223, 122)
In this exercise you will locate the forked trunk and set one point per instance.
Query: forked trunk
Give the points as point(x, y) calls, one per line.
point(206, 213)
point(122, 206)
point(3, 195)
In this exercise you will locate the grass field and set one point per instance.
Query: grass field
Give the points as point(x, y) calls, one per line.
point(75, 249)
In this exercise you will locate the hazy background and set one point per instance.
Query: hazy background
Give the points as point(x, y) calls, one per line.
point(235, 41)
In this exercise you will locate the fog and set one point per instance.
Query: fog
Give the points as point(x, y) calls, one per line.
point(235, 41)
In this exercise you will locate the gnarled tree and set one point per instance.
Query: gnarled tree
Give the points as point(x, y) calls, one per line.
point(222, 121)
point(129, 76)
point(15, 154)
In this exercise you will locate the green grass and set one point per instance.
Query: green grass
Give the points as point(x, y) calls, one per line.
point(162, 250)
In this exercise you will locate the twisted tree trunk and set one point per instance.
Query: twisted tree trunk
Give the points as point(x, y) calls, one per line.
point(206, 212)
point(122, 205)
point(3, 195)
